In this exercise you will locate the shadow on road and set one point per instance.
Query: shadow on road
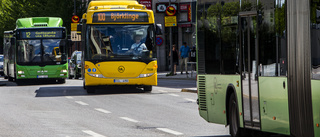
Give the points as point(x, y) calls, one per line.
point(174, 83)
point(29, 83)
point(79, 91)
point(214, 136)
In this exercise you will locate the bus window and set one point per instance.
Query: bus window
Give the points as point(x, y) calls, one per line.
point(315, 43)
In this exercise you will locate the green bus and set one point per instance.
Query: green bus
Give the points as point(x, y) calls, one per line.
point(258, 65)
point(36, 49)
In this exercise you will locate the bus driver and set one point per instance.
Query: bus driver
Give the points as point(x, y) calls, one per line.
point(138, 45)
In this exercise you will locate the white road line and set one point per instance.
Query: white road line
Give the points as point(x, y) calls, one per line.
point(102, 110)
point(129, 119)
point(170, 131)
point(192, 100)
point(94, 134)
point(81, 103)
point(163, 91)
point(68, 97)
point(175, 95)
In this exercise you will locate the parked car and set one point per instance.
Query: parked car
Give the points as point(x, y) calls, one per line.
point(1, 65)
point(75, 65)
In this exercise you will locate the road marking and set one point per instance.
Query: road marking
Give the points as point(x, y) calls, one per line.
point(81, 103)
point(163, 91)
point(94, 134)
point(192, 100)
point(129, 119)
point(170, 131)
point(175, 95)
point(102, 110)
point(68, 97)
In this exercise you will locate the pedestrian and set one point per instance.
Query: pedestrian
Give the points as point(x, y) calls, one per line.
point(193, 57)
point(175, 58)
point(184, 56)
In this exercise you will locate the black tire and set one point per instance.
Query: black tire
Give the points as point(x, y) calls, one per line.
point(10, 78)
point(91, 89)
point(147, 88)
point(234, 117)
point(84, 85)
point(76, 76)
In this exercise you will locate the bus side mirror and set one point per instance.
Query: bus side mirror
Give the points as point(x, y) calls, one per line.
point(13, 41)
point(158, 29)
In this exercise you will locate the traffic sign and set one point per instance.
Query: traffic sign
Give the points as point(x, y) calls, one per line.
point(159, 41)
point(170, 21)
point(75, 19)
point(74, 26)
point(75, 36)
point(170, 11)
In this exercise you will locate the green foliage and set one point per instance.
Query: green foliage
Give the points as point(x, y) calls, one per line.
point(11, 10)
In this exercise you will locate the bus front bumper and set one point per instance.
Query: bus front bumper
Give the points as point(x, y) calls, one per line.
point(96, 81)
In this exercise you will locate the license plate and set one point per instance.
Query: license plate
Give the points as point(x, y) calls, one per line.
point(42, 76)
point(121, 80)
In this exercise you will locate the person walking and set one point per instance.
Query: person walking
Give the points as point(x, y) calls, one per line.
point(193, 57)
point(175, 58)
point(184, 55)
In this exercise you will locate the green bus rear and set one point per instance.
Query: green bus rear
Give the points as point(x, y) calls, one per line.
point(38, 50)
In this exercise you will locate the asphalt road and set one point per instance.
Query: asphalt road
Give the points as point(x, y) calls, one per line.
point(66, 110)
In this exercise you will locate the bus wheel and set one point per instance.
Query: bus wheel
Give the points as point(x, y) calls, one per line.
point(10, 78)
point(90, 89)
point(233, 117)
point(84, 85)
point(147, 88)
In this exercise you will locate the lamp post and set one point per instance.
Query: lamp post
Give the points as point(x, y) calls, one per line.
point(171, 51)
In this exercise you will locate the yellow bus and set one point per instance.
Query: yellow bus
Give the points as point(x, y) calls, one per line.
point(118, 44)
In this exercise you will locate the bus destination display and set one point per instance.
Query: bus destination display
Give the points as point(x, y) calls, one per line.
point(31, 34)
point(120, 17)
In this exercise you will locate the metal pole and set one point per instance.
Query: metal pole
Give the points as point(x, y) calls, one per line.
point(171, 51)
point(75, 13)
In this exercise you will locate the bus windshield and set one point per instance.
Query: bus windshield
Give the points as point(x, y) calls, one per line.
point(40, 51)
point(116, 42)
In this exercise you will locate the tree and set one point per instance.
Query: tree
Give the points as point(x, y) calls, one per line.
point(11, 10)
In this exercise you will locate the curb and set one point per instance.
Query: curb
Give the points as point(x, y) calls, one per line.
point(189, 90)
point(178, 78)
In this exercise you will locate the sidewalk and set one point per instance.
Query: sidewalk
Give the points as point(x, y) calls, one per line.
point(184, 76)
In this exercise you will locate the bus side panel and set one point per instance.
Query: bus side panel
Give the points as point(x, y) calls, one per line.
point(315, 88)
point(274, 110)
point(216, 92)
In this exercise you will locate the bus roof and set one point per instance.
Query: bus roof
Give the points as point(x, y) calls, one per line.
point(39, 22)
point(118, 6)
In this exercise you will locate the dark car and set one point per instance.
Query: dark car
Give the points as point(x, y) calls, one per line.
point(75, 65)
point(1, 65)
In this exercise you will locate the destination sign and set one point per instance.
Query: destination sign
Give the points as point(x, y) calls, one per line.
point(31, 34)
point(121, 16)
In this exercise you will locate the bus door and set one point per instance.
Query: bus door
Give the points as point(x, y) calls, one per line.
point(249, 64)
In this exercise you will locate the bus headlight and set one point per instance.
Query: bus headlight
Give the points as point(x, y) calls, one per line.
point(145, 75)
point(20, 72)
point(64, 71)
point(96, 75)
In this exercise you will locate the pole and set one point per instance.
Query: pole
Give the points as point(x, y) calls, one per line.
point(75, 13)
point(170, 37)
